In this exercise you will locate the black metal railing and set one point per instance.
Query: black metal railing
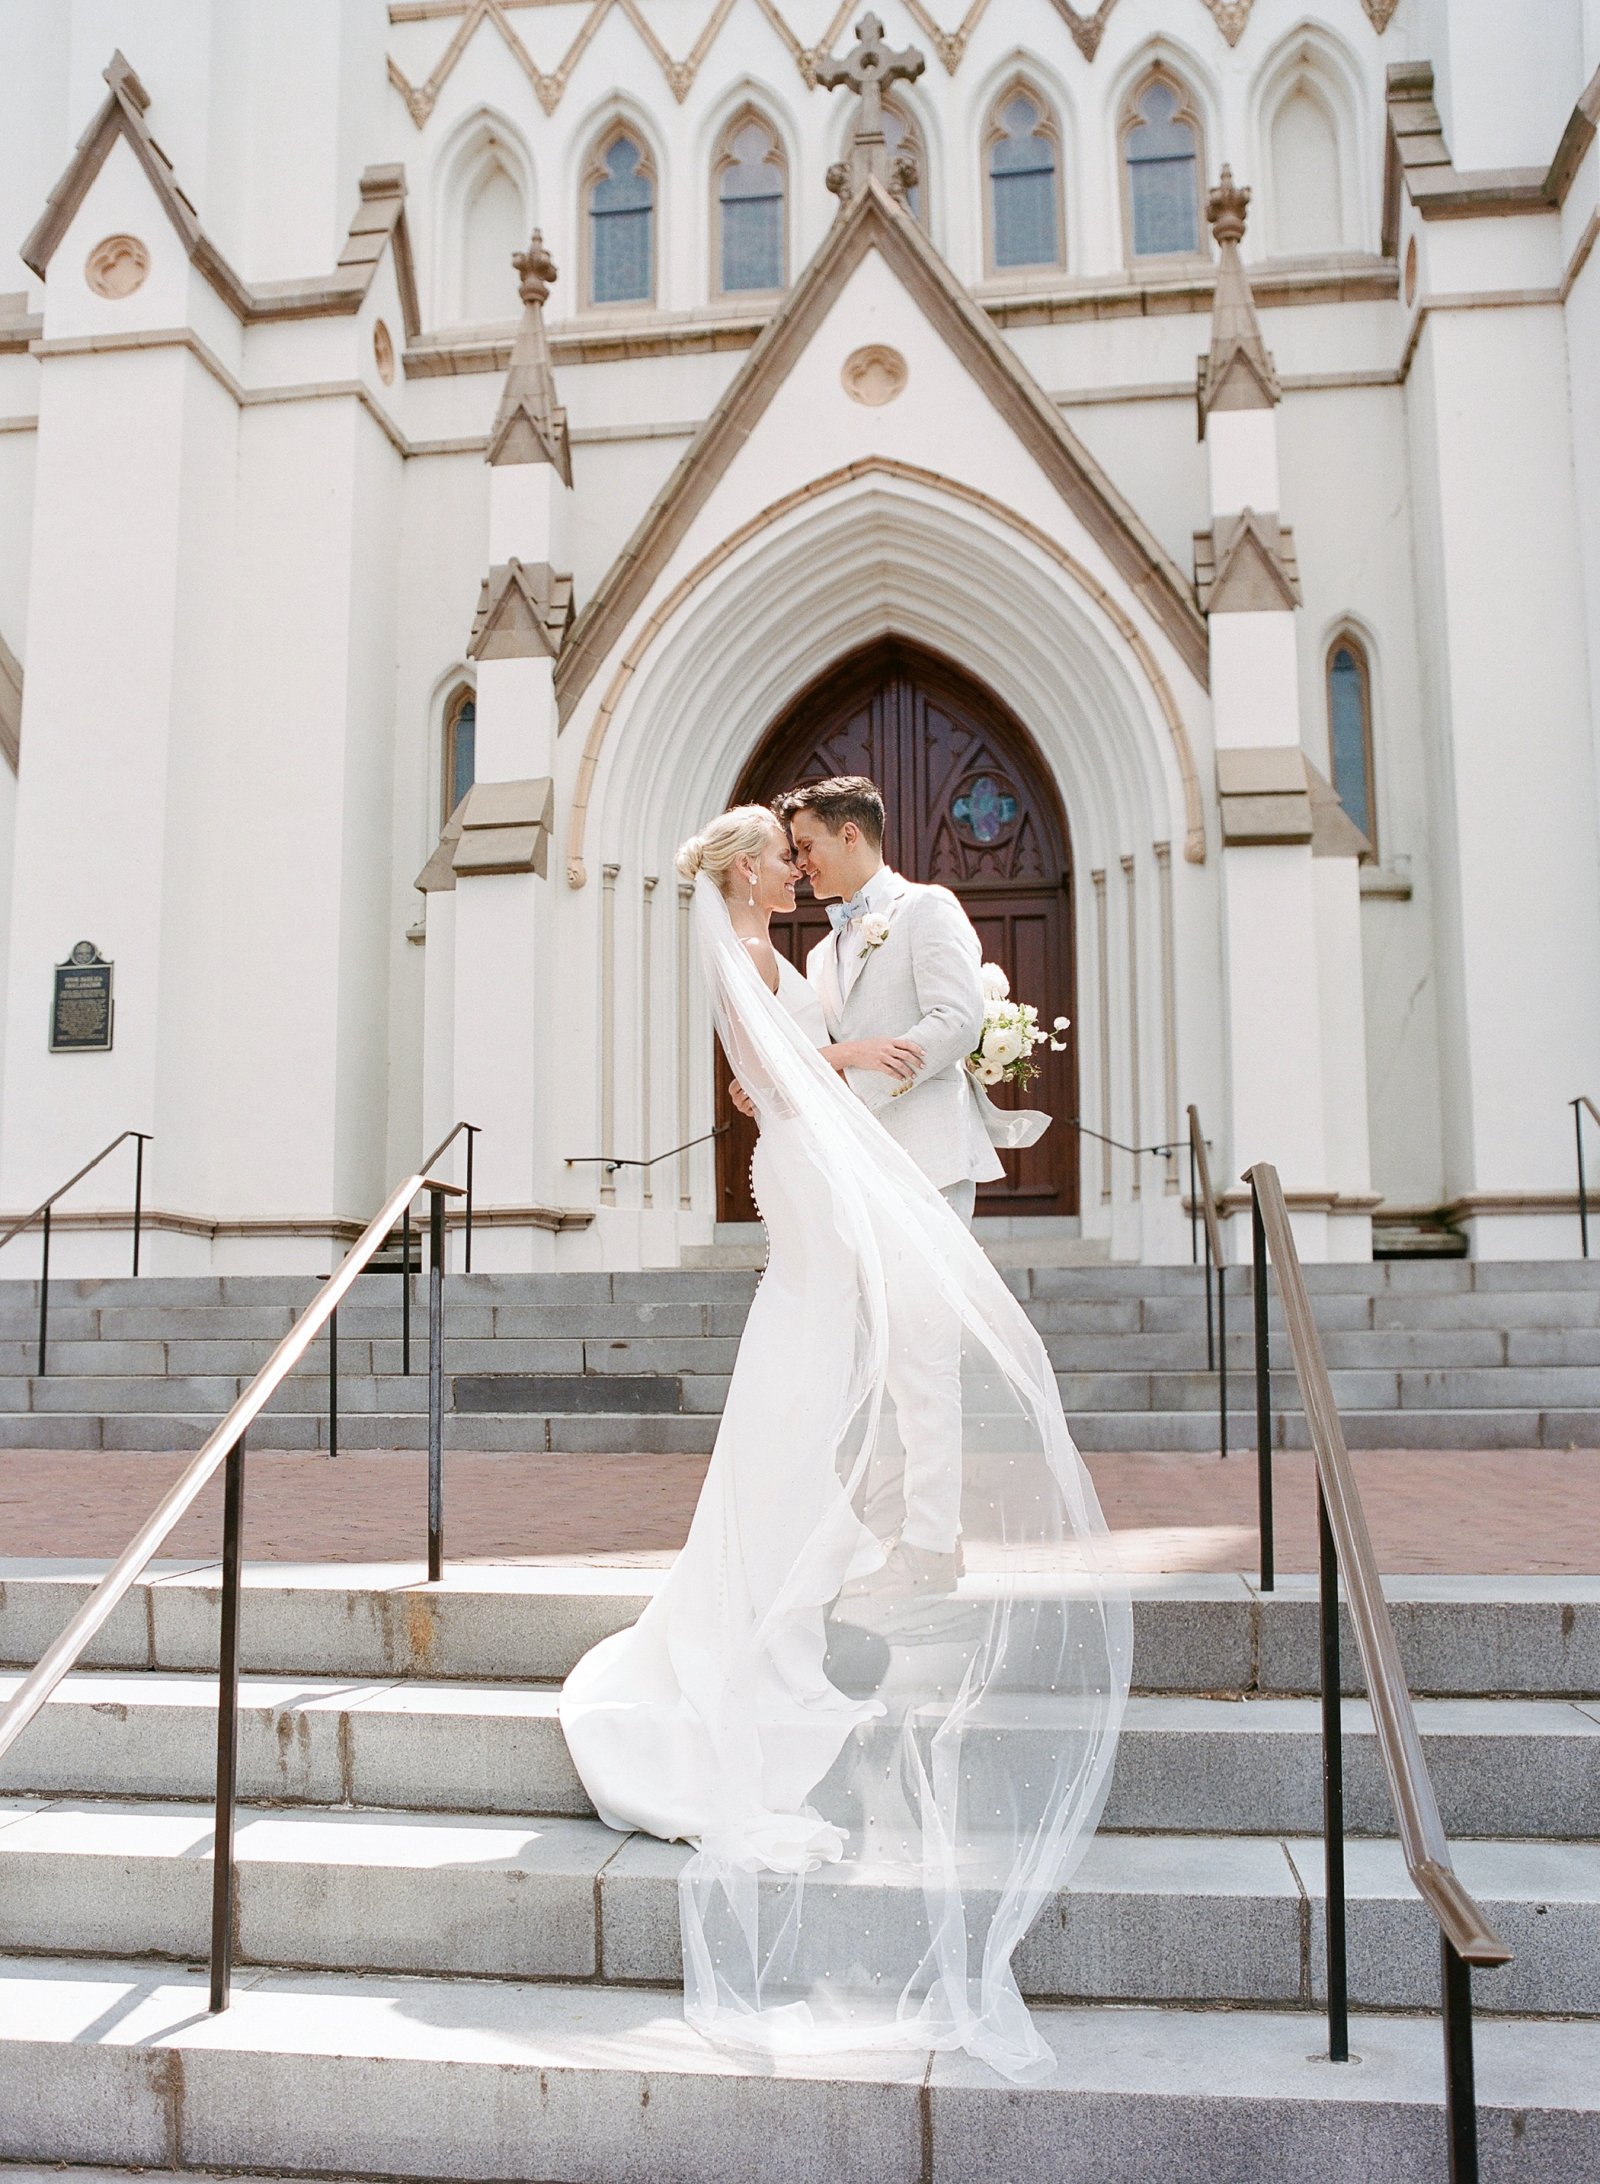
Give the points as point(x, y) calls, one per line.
point(1204, 1221)
point(472, 1130)
point(42, 1212)
point(1578, 1106)
point(1345, 1548)
point(226, 1448)
point(611, 1162)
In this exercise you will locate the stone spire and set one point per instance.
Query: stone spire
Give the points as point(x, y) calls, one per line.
point(1238, 373)
point(530, 425)
point(870, 70)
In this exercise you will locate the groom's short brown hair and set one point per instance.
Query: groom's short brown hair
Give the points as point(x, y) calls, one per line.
point(837, 801)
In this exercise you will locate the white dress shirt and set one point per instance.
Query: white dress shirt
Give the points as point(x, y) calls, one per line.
point(849, 945)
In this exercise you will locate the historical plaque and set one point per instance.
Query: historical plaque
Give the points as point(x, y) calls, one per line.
point(80, 1020)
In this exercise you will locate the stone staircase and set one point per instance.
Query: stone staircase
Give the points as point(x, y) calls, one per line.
point(1451, 1354)
point(448, 1968)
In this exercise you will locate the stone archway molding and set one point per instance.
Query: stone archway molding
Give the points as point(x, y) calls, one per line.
point(1194, 847)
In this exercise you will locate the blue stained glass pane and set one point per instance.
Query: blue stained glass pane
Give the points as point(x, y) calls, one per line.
point(1347, 736)
point(1161, 178)
point(463, 750)
point(621, 208)
point(1022, 177)
point(984, 810)
point(752, 242)
point(1024, 217)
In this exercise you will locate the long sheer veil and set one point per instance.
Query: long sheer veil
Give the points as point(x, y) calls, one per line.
point(892, 1781)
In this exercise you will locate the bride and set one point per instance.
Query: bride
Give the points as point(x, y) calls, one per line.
point(881, 1788)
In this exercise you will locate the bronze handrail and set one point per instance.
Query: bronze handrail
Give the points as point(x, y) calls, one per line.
point(62, 1655)
point(1345, 1547)
point(42, 1211)
point(1422, 1836)
point(1203, 1197)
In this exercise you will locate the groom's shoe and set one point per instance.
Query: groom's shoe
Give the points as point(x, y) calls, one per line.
point(918, 1573)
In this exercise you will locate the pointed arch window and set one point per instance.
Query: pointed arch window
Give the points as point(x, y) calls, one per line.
point(622, 203)
point(750, 208)
point(1306, 208)
point(1161, 160)
point(460, 747)
point(901, 134)
point(1350, 733)
point(1024, 184)
point(494, 224)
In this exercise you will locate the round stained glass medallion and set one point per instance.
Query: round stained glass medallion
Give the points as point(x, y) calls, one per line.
point(983, 809)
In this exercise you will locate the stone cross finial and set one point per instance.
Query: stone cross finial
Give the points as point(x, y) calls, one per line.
point(869, 70)
point(1225, 209)
point(536, 269)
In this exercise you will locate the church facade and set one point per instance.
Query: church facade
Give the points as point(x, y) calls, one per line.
point(450, 449)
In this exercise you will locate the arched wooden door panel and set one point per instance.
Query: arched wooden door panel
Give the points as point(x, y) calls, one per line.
point(969, 803)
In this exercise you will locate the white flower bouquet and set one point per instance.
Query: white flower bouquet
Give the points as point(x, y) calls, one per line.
point(1011, 1033)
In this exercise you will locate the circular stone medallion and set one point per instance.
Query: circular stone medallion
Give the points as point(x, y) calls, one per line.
point(117, 266)
point(874, 375)
point(1411, 272)
point(383, 353)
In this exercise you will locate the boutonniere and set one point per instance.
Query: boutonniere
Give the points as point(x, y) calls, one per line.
point(874, 931)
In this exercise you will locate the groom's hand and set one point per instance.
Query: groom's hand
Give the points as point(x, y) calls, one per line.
point(740, 1098)
point(900, 1058)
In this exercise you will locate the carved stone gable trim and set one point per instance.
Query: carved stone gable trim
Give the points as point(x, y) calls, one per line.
point(1246, 564)
point(379, 223)
point(872, 220)
point(524, 613)
point(1230, 17)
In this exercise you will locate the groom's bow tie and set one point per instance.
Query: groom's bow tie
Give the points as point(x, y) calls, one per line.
point(841, 914)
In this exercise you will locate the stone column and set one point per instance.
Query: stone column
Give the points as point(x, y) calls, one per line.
point(1294, 1047)
point(486, 1013)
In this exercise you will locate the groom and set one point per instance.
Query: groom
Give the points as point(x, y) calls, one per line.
point(900, 969)
point(899, 980)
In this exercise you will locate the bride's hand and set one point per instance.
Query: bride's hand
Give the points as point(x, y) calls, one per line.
point(740, 1098)
point(900, 1058)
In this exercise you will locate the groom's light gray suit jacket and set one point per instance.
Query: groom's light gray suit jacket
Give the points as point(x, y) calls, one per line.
point(922, 983)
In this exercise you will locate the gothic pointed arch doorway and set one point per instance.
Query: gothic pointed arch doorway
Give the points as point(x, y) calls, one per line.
point(970, 803)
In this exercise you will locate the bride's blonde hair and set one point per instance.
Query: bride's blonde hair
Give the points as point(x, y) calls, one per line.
point(742, 832)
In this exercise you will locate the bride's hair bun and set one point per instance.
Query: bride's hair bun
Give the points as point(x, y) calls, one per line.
point(742, 832)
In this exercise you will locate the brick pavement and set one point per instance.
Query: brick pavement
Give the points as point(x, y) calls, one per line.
point(1456, 1513)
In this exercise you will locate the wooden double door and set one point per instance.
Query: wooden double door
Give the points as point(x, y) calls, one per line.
point(969, 803)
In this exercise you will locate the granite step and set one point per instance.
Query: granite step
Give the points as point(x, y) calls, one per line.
point(1527, 1768)
point(119, 2062)
point(1530, 1637)
point(1192, 1918)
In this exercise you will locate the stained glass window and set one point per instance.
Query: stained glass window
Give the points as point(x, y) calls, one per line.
point(460, 749)
point(984, 809)
point(1022, 181)
point(1350, 734)
point(1162, 167)
point(750, 202)
point(621, 209)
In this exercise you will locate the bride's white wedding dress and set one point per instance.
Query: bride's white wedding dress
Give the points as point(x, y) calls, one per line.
point(882, 1786)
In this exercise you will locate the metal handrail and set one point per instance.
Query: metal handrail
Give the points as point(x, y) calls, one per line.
point(226, 1445)
point(1202, 1199)
point(42, 1212)
point(1578, 1105)
point(1345, 1546)
point(611, 1162)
